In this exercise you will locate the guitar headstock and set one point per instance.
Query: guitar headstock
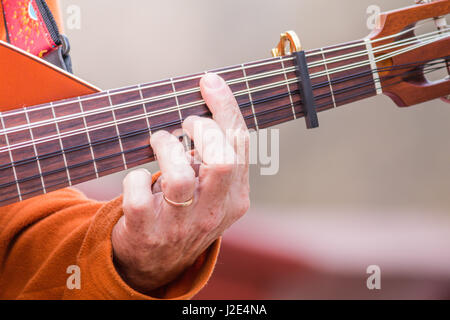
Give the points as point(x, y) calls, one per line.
point(403, 57)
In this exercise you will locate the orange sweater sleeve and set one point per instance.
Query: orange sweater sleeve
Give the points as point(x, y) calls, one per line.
point(42, 237)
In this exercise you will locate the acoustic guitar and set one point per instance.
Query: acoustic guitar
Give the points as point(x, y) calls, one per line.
point(57, 130)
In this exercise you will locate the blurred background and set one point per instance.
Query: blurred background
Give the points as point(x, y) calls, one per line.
point(371, 186)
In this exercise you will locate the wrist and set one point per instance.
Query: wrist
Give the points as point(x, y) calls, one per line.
point(135, 264)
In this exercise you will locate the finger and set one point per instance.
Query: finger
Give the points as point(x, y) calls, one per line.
point(194, 160)
point(178, 177)
point(137, 199)
point(225, 110)
point(220, 100)
point(209, 141)
point(218, 157)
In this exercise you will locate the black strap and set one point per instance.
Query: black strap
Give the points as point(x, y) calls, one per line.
point(60, 56)
point(306, 90)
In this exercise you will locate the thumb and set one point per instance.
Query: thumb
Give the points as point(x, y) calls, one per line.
point(138, 200)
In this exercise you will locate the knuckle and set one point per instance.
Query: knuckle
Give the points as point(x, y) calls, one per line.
point(206, 127)
point(179, 180)
point(243, 207)
point(136, 204)
point(222, 169)
point(139, 176)
point(231, 104)
point(226, 100)
point(135, 174)
point(191, 118)
point(158, 136)
point(208, 121)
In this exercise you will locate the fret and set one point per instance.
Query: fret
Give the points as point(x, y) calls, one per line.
point(135, 134)
point(69, 180)
point(164, 113)
point(146, 117)
point(373, 65)
point(271, 105)
point(328, 77)
point(27, 172)
point(104, 139)
point(117, 132)
point(352, 83)
point(178, 107)
point(53, 168)
point(79, 139)
point(289, 89)
point(250, 96)
point(36, 153)
point(293, 88)
point(145, 111)
point(89, 138)
point(8, 173)
point(76, 146)
point(243, 99)
point(322, 89)
point(192, 99)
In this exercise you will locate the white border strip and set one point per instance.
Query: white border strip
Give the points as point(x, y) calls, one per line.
point(373, 65)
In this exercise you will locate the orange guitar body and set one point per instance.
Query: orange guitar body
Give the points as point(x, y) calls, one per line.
point(26, 80)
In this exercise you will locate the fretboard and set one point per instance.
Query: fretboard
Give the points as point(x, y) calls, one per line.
point(63, 143)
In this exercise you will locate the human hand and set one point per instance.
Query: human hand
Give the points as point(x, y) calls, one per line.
point(154, 241)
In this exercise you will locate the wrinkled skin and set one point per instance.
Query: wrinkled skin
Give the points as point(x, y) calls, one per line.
point(154, 241)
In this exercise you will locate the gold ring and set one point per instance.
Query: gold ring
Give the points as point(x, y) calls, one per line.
point(178, 204)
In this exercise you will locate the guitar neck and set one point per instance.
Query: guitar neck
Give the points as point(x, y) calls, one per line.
point(63, 143)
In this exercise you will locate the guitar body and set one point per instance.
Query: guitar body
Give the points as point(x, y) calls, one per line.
point(27, 80)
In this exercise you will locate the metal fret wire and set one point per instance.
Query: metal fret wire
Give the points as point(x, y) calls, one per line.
point(143, 147)
point(254, 64)
point(195, 103)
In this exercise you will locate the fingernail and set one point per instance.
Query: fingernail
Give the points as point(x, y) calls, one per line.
point(213, 81)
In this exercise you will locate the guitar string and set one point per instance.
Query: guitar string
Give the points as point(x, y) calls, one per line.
point(143, 147)
point(104, 125)
point(158, 112)
point(316, 86)
point(130, 134)
point(227, 70)
point(139, 117)
point(196, 89)
point(43, 157)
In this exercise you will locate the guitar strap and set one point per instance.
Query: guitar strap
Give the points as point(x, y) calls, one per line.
point(30, 25)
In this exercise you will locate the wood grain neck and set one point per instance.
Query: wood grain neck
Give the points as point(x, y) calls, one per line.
point(63, 143)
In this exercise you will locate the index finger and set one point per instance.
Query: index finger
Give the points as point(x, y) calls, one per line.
point(220, 100)
point(227, 114)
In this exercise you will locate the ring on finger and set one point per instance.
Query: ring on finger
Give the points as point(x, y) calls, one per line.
point(179, 204)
